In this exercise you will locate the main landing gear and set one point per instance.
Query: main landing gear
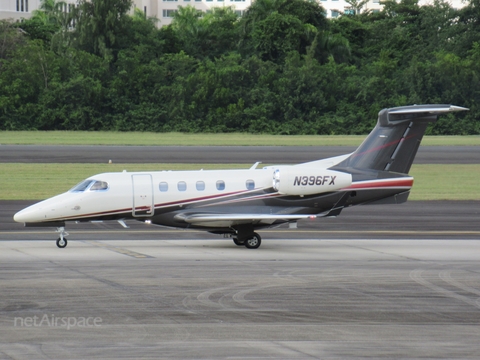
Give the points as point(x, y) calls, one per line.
point(62, 240)
point(253, 242)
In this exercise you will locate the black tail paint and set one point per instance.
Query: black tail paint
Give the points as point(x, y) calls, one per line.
point(393, 143)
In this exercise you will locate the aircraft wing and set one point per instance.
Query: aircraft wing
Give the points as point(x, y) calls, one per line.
point(225, 220)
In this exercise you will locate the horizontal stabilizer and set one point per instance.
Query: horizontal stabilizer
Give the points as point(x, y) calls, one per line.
point(431, 109)
point(422, 113)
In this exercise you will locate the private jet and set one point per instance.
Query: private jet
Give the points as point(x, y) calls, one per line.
point(238, 203)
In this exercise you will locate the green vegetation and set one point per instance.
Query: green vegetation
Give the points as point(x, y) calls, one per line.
point(205, 139)
point(24, 182)
point(283, 68)
point(445, 182)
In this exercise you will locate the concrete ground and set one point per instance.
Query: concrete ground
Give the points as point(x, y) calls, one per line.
point(191, 299)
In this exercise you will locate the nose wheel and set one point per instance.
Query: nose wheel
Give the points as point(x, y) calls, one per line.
point(61, 243)
point(62, 240)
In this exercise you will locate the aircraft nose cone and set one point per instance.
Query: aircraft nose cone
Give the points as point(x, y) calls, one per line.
point(29, 214)
point(20, 216)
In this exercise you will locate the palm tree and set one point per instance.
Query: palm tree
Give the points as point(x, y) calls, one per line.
point(60, 16)
point(357, 5)
point(259, 10)
point(327, 45)
point(53, 12)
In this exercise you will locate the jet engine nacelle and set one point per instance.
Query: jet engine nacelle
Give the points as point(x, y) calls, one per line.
point(305, 181)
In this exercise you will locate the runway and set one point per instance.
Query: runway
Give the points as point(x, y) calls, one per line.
point(190, 299)
point(214, 154)
point(419, 219)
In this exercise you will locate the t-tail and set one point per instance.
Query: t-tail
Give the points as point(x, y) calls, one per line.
point(380, 165)
point(393, 143)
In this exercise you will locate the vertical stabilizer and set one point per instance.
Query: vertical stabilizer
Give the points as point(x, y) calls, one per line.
point(393, 143)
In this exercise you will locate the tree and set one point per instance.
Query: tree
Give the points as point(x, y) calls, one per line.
point(327, 45)
point(10, 39)
point(357, 5)
point(23, 78)
point(99, 24)
point(206, 35)
point(51, 22)
point(274, 37)
point(272, 28)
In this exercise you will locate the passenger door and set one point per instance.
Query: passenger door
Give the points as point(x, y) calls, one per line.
point(143, 200)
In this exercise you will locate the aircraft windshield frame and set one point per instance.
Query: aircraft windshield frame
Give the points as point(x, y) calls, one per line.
point(91, 185)
point(99, 185)
point(82, 186)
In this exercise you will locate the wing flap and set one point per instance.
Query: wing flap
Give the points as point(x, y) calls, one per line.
point(209, 219)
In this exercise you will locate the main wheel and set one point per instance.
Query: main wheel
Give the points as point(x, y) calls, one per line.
point(238, 242)
point(61, 242)
point(254, 242)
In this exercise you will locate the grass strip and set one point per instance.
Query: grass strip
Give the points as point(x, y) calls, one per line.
point(39, 181)
point(188, 139)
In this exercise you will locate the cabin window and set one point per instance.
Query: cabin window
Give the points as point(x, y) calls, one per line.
point(99, 186)
point(250, 184)
point(200, 185)
point(81, 186)
point(163, 186)
point(182, 186)
point(220, 185)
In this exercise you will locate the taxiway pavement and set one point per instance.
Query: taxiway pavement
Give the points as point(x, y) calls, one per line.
point(190, 299)
point(214, 154)
point(403, 284)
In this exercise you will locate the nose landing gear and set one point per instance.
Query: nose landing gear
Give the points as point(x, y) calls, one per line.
point(62, 240)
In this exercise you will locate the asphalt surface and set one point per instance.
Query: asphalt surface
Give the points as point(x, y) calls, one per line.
point(189, 299)
point(420, 219)
point(376, 282)
point(214, 154)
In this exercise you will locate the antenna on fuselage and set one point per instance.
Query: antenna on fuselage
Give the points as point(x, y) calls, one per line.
point(254, 166)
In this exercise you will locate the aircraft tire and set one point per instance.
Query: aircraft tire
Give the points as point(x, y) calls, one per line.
point(61, 243)
point(254, 242)
point(237, 242)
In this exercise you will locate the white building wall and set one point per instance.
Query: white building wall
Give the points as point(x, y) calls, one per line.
point(456, 4)
point(163, 10)
point(335, 8)
point(22, 9)
point(17, 9)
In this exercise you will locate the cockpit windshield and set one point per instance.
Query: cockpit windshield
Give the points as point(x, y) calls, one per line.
point(82, 186)
point(99, 185)
point(92, 185)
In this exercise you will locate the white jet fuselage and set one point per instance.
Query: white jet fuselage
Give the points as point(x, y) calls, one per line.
point(141, 194)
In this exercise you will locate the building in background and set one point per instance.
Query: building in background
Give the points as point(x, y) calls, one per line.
point(23, 9)
point(17, 9)
point(163, 10)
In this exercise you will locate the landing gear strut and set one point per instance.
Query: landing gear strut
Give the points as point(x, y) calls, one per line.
point(62, 240)
point(238, 242)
